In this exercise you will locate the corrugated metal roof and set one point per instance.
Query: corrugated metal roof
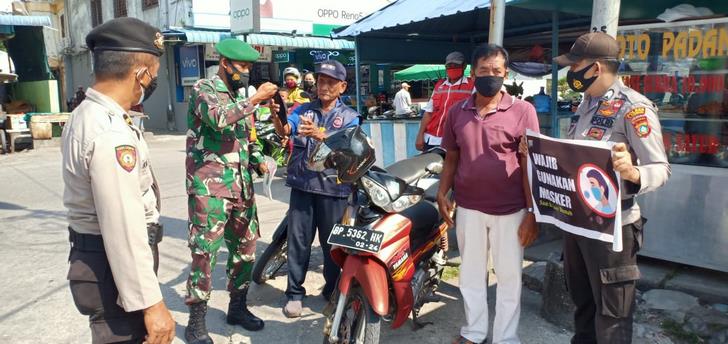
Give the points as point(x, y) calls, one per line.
point(25, 20)
point(298, 42)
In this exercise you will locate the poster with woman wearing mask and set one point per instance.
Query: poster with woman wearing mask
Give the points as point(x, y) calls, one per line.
point(575, 188)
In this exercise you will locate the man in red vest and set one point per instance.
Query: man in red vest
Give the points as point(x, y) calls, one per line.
point(449, 91)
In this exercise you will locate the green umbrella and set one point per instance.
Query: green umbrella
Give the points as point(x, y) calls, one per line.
point(423, 72)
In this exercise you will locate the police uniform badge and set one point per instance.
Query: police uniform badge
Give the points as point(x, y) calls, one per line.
point(159, 41)
point(596, 133)
point(126, 157)
point(617, 105)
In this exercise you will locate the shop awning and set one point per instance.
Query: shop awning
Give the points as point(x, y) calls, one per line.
point(25, 20)
point(407, 12)
point(298, 42)
point(407, 32)
point(198, 36)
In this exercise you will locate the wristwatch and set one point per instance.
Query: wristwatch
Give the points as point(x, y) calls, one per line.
point(530, 210)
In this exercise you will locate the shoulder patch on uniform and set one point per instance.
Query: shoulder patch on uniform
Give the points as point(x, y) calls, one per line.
point(641, 126)
point(126, 156)
point(635, 112)
point(596, 133)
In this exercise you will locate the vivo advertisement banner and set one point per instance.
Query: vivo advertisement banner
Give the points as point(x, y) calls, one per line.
point(189, 65)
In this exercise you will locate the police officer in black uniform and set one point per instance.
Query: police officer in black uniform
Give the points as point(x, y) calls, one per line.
point(601, 281)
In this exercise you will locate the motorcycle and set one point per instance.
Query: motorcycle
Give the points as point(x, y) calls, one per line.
point(274, 257)
point(268, 140)
point(389, 243)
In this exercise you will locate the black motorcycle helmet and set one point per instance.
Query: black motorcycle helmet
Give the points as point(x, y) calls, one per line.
point(349, 151)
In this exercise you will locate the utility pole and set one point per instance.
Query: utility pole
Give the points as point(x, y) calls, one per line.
point(497, 21)
point(605, 16)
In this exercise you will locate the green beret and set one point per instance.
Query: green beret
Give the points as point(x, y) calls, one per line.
point(237, 50)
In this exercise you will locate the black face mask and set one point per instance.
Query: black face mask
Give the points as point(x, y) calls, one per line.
point(238, 80)
point(307, 85)
point(488, 86)
point(576, 79)
point(149, 89)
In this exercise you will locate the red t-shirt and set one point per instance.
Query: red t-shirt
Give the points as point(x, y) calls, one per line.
point(488, 176)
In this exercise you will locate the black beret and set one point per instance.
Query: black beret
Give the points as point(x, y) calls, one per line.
point(126, 34)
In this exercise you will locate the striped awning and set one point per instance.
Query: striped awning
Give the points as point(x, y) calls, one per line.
point(25, 20)
point(198, 36)
point(298, 42)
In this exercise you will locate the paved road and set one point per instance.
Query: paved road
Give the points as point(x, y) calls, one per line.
point(37, 306)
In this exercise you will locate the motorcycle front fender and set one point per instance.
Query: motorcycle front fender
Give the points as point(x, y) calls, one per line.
point(371, 276)
point(281, 230)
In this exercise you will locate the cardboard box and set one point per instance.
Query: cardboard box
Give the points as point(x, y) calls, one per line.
point(15, 122)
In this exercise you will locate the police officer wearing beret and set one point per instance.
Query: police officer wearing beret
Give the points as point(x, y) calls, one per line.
point(602, 282)
point(317, 201)
point(111, 193)
point(221, 150)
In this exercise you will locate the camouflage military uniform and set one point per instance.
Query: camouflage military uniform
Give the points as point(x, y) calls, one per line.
point(219, 186)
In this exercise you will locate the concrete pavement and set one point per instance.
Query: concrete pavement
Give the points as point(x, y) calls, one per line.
point(37, 305)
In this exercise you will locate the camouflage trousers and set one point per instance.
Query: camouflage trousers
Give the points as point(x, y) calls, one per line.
point(212, 220)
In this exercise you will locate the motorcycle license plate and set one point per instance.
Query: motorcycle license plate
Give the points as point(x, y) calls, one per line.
point(356, 238)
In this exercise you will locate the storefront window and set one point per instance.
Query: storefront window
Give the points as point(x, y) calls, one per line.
point(683, 69)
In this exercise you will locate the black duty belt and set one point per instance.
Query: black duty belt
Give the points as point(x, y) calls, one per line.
point(85, 242)
point(94, 243)
point(627, 203)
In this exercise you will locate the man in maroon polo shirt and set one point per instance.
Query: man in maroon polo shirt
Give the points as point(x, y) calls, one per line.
point(484, 168)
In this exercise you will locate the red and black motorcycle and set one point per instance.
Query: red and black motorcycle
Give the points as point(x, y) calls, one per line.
point(390, 240)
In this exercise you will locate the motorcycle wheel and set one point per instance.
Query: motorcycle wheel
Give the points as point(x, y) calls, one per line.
point(274, 256)
point(359, 323)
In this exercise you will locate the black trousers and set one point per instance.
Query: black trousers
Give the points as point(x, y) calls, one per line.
point(94, 290)
point(94, 293)
point(602, 284)
point(308, 213)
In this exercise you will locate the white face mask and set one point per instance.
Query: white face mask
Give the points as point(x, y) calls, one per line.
point(141, 98)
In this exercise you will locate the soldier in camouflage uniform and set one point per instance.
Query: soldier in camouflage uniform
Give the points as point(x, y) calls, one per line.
point(220, 149)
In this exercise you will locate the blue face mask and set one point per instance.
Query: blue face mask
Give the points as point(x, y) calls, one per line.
point(597, 192)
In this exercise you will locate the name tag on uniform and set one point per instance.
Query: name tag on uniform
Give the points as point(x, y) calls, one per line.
point(602, 121)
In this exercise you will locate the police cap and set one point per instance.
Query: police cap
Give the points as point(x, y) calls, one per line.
point(126, 34)
point(237, 50)
point(594, 45)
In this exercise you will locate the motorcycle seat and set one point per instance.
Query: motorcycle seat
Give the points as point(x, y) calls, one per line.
point(425, 218)
point(414, 168)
